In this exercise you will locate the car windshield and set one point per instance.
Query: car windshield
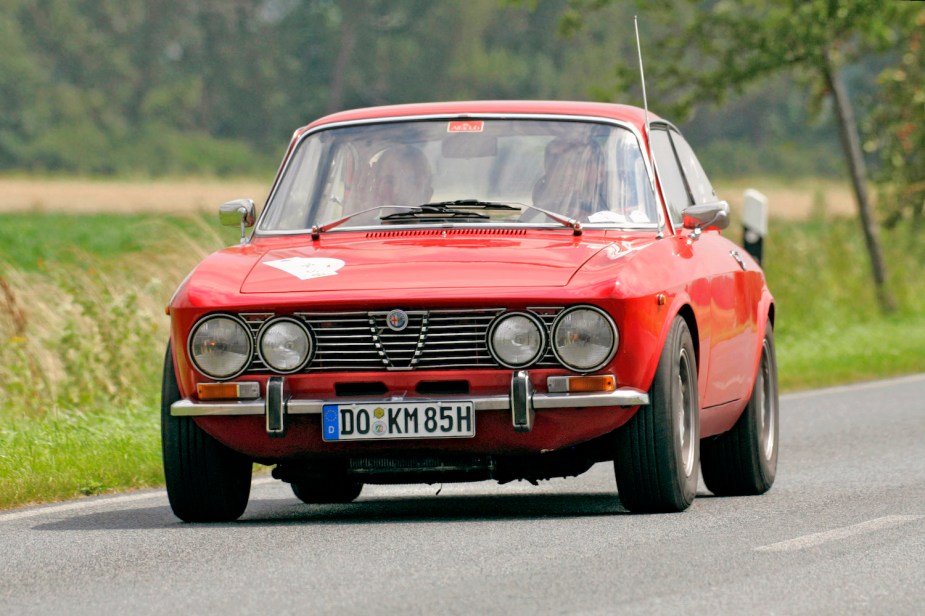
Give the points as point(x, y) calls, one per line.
point(464, 172)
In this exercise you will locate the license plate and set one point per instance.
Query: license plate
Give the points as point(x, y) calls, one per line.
point(353, 422)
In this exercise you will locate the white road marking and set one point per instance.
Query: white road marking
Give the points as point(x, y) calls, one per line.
point(808, 541)
point(96, 502)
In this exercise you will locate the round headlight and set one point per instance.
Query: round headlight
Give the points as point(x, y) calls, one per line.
point(220, 346)
point(584, 338)
point(284, 345)
point(517, 340)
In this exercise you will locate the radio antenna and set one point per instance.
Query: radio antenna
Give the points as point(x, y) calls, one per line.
point(645, 107)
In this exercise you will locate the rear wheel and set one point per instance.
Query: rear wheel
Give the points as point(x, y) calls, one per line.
point(206, 481)
point(327, 490)
point(743, 461)
point(658, 451)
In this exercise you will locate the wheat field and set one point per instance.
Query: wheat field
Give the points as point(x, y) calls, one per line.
point(797, 200)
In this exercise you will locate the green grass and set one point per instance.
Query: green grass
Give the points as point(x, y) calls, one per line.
point(73, 453)
point(853, 352)
point(830, 329)
point(82, 334)
point(33, 241)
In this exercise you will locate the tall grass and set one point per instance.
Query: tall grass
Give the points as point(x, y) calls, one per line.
point(80, 368)
point(830, 327)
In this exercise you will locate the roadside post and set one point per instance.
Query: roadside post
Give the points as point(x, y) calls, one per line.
point(754, 223)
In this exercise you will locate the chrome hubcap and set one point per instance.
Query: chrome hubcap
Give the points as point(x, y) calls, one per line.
point(684, 411)
point(766, 404)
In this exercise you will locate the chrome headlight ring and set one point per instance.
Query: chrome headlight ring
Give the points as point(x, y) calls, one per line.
point(285, 345)
point(220, 346)
point(520, 329)
point(582, 334)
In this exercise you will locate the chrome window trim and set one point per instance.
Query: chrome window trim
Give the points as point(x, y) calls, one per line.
point(290, 155)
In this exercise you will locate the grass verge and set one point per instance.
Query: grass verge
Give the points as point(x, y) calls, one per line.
point(72, 453)
point(891, 346)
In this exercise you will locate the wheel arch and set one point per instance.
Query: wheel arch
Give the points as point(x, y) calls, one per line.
point(687, 313)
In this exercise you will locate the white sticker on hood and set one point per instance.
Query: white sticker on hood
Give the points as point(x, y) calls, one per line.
point(306, 268)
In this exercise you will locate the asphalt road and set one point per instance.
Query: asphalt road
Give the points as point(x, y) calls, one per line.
point(842, 531)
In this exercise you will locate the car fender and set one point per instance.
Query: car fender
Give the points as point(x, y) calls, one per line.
point(648, 353)
point(766, 310)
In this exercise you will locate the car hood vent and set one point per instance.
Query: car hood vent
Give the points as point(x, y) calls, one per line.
point(378, 235)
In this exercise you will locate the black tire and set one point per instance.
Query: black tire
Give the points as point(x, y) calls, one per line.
point(658, 449)
point(743, 461)
point(327, 491)
point(206, 481)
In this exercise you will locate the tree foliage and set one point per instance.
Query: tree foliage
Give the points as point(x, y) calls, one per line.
point(896, 129)
point(193, 86)
point(710, 48)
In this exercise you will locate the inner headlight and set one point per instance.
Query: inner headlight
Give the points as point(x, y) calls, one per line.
point(285, 345)
point(584, 338)
point(220, 346)
point(517, 340)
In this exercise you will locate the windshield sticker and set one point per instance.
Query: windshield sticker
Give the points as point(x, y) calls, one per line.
point(606, 216)
point(465, 126)
point(306, 268)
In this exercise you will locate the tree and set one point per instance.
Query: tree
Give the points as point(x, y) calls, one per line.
point(897, 130)
point(707, 49)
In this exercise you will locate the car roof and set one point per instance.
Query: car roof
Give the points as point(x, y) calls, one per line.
point(626, 113)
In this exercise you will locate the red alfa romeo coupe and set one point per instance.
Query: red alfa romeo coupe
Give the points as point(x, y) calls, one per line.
point(470, 291)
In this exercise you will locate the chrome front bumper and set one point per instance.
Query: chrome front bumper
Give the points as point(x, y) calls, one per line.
point(521, 402)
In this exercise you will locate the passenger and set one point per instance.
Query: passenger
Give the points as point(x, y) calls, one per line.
point(574, 181)
point(402, 176)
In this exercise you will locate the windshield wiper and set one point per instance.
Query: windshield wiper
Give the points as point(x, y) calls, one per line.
point(571, 223)
point(472, 204)
point(432, 211)
point(317, 230)
point(446, 208)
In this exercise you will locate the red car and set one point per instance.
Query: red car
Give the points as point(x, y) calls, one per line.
point(468, 291)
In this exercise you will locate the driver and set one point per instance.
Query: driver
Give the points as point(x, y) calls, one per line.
point(574, 180)
point(402, 176)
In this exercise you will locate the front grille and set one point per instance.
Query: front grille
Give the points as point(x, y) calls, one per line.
point(431, 340)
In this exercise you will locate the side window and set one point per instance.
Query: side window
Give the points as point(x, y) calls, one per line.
point(670, 174)
point(700, 187)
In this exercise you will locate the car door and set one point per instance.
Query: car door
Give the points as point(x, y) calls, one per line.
point(727, 324)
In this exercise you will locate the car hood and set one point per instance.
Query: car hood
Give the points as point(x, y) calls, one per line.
point(421, 263)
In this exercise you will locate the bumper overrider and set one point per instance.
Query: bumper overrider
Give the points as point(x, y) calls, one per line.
point(522, 402)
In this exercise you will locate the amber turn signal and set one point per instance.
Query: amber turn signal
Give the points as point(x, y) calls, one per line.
point(228, 391)
point(582, 384)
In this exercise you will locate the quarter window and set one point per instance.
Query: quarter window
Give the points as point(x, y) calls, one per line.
point(669, 172)
point(700, 187)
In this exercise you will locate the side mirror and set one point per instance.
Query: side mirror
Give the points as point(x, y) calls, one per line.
point(713, 215)
point(238, 212)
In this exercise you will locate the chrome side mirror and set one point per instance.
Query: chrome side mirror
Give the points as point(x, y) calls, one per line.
point(238, 212)
point(713, 215)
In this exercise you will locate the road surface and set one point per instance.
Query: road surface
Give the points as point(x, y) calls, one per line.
point(842, 531)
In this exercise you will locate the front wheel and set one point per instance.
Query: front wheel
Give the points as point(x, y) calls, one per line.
point(206, 481)
point(743, 461)
point(658, 450)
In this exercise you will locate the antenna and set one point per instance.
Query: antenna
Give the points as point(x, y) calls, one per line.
point(645, 106)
